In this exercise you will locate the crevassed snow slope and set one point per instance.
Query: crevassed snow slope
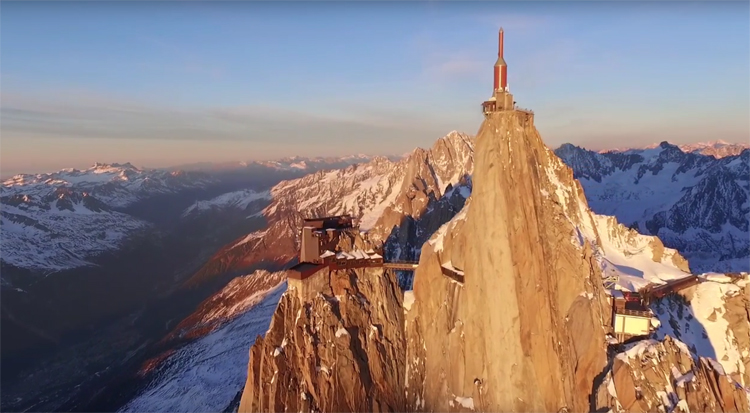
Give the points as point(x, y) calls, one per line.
point(237, 199)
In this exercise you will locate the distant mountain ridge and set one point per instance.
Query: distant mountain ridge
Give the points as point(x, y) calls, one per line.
point(56, 221)
point(406, 201)
point(117, 185)
point(300, 163)
point(61, 220)
point(695, 203)
point(717, 148)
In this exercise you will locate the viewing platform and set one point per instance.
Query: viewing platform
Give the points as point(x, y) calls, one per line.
point(630, 317)
point(320, 254)
point(524, 110)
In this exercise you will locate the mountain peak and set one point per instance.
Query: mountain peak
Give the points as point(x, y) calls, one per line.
point(496, 218)
point(667, 145)
point(101, 166)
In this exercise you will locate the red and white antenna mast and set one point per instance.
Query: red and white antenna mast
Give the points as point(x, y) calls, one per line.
point(501, 68)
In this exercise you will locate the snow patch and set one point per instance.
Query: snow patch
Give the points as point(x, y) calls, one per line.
point(466, 402)
point(237, 199)
point(408, 299)
point(341, 332)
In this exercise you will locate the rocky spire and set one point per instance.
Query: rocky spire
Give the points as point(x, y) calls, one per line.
point(521, 334)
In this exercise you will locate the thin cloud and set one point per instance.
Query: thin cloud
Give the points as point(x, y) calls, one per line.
point(519, 24)
point(76, 132)
point(107, 118)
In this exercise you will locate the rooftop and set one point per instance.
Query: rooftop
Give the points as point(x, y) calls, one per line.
point(316, 219)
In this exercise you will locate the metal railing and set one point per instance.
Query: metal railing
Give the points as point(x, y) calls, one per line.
point(637, 313)
point(529, 111)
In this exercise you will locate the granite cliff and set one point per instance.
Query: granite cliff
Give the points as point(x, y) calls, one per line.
point(664, 376)
point(341, 351)
point(524, 331)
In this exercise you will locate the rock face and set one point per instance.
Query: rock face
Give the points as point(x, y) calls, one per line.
point(522, 333)
point(342, 351)
point(663, 376)
point(713, 319)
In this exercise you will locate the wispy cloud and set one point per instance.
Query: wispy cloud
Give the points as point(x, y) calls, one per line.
point(101, 118)
point(66, 129)
point(519, 24)
point(443, 62)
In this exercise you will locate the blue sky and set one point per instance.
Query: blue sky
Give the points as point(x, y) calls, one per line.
point(160, 84)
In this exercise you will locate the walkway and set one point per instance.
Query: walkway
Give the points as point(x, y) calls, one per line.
point(672, 286)
point(401, 265)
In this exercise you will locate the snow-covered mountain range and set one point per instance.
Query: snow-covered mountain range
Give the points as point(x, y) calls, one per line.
point(717, 149)
point(116, 185)
point(60, 220)
point(405, 203)
point(63, 220)
point(292, 163)
point(382, 193)
point(402, 202)
point(239, 200)
point(694, 203)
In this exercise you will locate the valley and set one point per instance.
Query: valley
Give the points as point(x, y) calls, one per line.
point(80, 327)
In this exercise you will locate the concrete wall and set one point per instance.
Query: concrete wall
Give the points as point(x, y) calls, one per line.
point(508, 101)
point(308, 288)
point(503, 101)
point(630, 325)
point(309, 250)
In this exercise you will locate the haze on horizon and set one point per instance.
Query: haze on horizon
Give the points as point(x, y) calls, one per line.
point(160, 84)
